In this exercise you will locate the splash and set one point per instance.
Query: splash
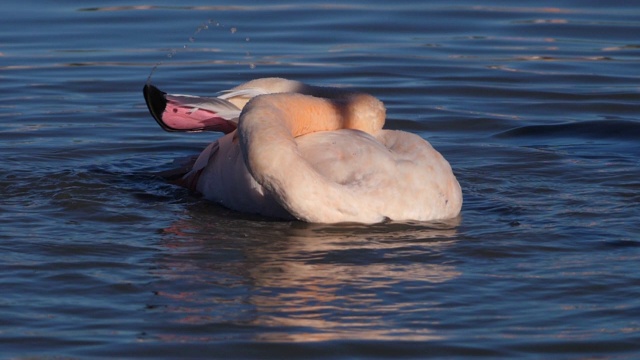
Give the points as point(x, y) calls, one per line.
point(192, 39)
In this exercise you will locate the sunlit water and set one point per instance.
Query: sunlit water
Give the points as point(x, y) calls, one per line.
point(536, 106)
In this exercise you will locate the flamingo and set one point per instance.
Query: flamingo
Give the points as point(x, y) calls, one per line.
point(316, 154)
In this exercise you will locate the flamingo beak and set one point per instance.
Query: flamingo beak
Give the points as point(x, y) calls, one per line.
point(157, 103)
point(186, 113)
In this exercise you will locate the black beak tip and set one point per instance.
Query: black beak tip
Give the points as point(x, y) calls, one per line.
point(156, 101)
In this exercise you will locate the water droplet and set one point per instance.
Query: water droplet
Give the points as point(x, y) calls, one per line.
point(233, 30)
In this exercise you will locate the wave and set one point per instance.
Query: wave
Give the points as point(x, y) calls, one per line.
point(597, 129)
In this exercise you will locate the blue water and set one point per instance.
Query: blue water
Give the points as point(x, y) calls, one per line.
point(536, 104)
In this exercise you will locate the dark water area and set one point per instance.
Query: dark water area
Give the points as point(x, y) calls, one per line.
point(535, 104)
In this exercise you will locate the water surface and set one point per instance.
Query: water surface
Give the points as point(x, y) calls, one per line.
point(534, 104)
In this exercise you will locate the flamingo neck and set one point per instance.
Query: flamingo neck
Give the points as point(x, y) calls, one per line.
point(303, 114)
point(268, 126)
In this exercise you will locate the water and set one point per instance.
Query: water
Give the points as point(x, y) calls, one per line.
point(534, 104)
